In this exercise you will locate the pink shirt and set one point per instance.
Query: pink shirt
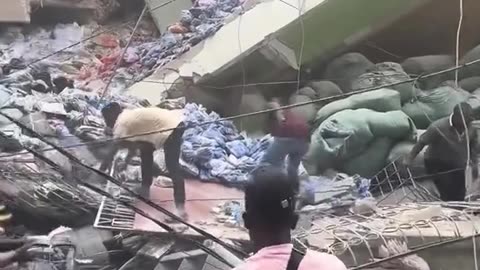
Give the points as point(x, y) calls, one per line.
point(276, 257)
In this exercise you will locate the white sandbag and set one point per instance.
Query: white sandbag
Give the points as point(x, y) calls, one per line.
point(344, 69)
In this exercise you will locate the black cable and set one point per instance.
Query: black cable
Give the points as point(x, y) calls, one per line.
point(134, 194)
point(343, 95)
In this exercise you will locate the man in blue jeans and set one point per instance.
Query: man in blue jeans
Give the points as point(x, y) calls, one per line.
point(291, 139)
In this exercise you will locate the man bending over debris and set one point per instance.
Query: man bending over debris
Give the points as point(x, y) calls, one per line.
point(269, 217)
point(126, 124)
point(291, 139)
point(447, 154)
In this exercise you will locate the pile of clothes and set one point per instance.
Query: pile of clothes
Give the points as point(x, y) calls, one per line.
point(89, 59)
point(215, 149)
point(201, 21)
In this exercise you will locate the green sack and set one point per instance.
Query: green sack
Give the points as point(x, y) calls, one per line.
point(348, 133)
point(376, 154)
point(382, 100)
point(384, 74)
point(434, 104)
point(402, 149)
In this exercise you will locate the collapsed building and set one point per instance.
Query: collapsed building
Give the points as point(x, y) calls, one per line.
point(228, 57)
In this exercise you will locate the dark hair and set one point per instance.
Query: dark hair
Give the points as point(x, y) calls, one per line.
point(111, 112)
point(270, 197)
point(463, 109)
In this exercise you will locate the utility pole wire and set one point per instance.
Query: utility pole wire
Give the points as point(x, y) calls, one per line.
point(118, 183)
point(339, 96)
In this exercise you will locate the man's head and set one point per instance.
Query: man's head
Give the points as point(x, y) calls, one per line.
point(269, 205)
point(462, 112)
point(110, 113)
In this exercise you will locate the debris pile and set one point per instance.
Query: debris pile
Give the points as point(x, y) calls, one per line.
point(329, 195)
point(85, 56)
point(216, 150)
point(201, 21)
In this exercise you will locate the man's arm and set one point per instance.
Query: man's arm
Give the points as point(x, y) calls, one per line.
point(424, 140)
point(414, 152)
point(278, 114)
point(474, 150)
point(113, 147)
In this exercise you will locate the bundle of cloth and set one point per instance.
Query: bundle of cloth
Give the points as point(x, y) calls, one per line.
point(347, 138)
point(216, 150)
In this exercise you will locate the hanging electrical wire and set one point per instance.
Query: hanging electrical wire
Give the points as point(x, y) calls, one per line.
point(118, 183)
point(230, 118)
point(137, 210)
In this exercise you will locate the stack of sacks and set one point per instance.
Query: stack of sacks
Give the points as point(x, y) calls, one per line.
point(422, 102)
point(347, 138)
point(382, 100)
